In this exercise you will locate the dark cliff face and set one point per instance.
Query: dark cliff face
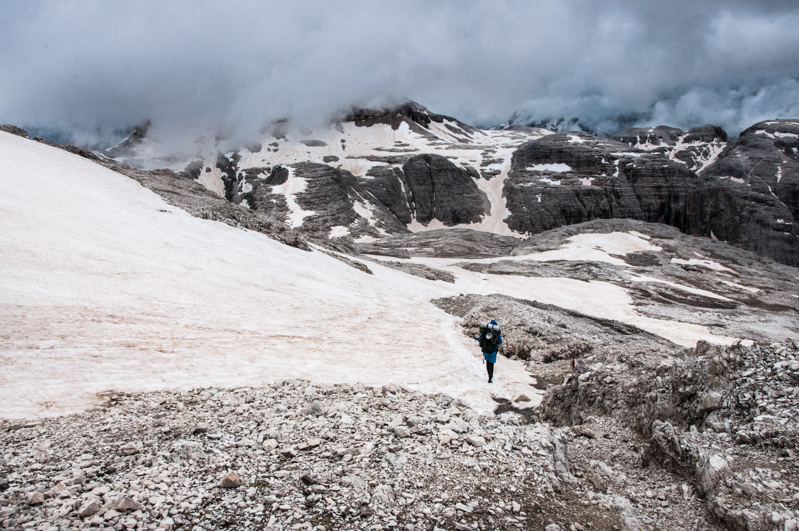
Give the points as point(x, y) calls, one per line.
point(571, 178)
point(749, 196)
point(440, 190)
point(694, 148)
point(428, 187)
point(755, 184)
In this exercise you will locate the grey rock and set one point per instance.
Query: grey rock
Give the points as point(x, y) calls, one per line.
point(624, 183)
point(475, 440)
point(382, 495)
point(90, 508)
point(14, 130)
point(442, 191)
point(123, 503)
point(309, 444)
point(128, 449)
point(230, 480)
point(710, 401)
point(402, 432)
point(314, 409)
point(35, 498)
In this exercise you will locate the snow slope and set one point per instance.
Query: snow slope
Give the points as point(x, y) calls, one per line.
point(105, 287)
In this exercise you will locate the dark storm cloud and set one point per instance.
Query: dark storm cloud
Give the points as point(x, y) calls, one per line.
point(91, 67)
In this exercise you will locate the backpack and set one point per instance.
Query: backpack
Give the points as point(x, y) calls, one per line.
point(489, 337)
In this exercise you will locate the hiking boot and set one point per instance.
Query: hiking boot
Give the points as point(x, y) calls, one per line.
point(490, 380)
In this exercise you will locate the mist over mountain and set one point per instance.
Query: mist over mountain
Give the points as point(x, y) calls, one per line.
point(90, 71)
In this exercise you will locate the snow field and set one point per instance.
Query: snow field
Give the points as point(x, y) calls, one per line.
point(106, 287)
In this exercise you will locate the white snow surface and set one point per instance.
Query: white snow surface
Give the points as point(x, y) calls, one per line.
point(290, 189)
point(597, 248)
point(707, 264)
point(107, 287)
point(557, 168)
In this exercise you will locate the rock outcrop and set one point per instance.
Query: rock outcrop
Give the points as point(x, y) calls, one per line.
point(754, 191)
point(569, 178)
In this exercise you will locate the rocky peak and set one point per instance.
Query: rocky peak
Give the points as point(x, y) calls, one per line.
point(14, 130)
point(409, 112)
point(128, 145)
point(705, 133)
point(780, 128)
point(655, 136)
point(559, 125)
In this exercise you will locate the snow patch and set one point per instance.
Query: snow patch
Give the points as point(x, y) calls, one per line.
point(557, 168)
point(290, 189)
point(745, 288)
point(681, 287)
point(212, 180)
point(339, 231)
point(707, 264)
point(549, 181)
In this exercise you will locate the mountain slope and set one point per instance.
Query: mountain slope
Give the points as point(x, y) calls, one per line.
point(105, 286)
point(381, 172)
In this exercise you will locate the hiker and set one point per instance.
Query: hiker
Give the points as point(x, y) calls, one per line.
point(490, 339)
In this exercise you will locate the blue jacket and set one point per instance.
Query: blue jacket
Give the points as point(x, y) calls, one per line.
point(491, 357)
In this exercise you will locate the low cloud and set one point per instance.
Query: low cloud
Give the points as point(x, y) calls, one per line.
point(198, 67)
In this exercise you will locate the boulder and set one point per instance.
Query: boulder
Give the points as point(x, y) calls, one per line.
point(231, 480)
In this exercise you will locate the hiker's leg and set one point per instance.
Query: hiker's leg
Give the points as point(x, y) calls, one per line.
point(490, 369)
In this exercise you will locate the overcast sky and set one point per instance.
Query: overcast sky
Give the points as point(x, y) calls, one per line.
point(90, 67)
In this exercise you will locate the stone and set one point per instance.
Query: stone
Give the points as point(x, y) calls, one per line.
point(462, 507)
point(90, 507)
point(231, 480)
point(289, 453)
point(166, 524)
point(314, 409)
point(552, 527)
point(269, 444)
point(124, 503)
point(382, 495)
point(128, 449)
point(396, 421)
point(458, 425)
point(352, 481)
point(475, 440)
point(35, 498)
point(790, 525)
point(708, 402)
point(523, 398)
point(711, 472)
point(309, 444)
point(402, 432)
point(584, 431)
point(201, 427)
point(515, 507)
point(446, 435)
